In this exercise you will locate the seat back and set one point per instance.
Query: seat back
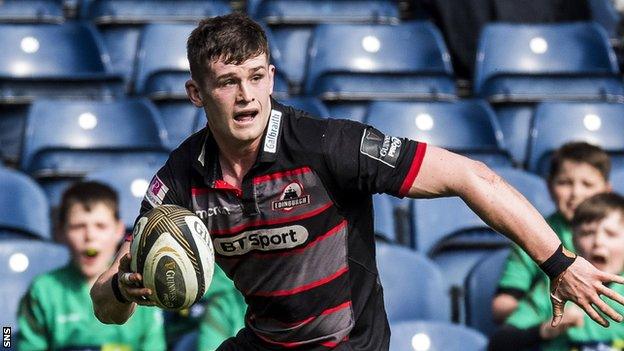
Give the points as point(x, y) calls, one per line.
point(75, 137)
point(617, 180)
point(481, 285)
point(149, 11)
point(468, 127)
point(542, 52)
point(434, 336)
point(310, 105)
point(31, 11)
point(557, 123)
point(24, 206)
point(21, 260)
point(402, 273)
point(379, 61)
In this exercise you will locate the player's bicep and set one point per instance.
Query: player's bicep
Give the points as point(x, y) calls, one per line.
point(441, 174)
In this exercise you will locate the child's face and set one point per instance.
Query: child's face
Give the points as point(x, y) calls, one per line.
point(575, 182)
point(92, 237)
point(602, 242)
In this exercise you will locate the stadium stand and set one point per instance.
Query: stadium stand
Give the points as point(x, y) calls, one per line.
point(130, 182)
point(434, 336)
point(65, 140)
point(520, 65)
point(402, 273)
point(604, 13)
point(557, 123)
point(24, 207)
point(481, 286)
point(292, 23)
point(53, 61)
point(468, 127)
point(21, 260)
point(367, 62)
point(617, 180)
point(384, 218)
point(121, 22)
point(31, 11)
point(187, 342)
point(309, 104)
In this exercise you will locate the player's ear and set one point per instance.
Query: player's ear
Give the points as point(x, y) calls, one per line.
point(271, 78)
point(194, 93)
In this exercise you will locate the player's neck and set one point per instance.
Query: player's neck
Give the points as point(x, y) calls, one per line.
point(237, 161)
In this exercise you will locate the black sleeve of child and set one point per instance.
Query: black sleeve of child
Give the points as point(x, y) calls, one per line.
point(509, 338)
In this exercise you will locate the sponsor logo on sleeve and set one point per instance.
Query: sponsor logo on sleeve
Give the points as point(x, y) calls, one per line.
point(383, 148)
point(270, 141)
point(262, 240)
point(156, 192)
point(292, 196)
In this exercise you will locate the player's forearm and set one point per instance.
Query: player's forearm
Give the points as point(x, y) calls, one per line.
point(507, 211)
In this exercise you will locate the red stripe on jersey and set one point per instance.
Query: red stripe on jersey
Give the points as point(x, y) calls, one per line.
point(332, 344)
point(342, 306)
point(305, 287)
point(419, 155)
point(219, 185)
point(267, 222)
point(278, 175)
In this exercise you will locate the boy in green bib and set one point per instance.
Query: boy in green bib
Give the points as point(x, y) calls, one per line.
point(598, 232)
point(56, 313)
point(578, 170)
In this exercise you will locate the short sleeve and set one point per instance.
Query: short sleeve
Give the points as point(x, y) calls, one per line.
point(34, 332)
point(362, 158)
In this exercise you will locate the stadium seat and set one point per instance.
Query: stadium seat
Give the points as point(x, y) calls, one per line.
point(384, 217)
point(24, 206)
point(31, 11)
point(292, 23)
point(481, 285)
point(311, 105)
point(434, 336)
point(130, 182)
point(617, 180)
point(187, 342)
point(408, 61)
point(121, 22)
point(533, 187)
point(402, 273)
point(65, 140)
point(48, 61)
point(520, 65)
point(604, 13)
point(557, 123)
point(21, 261)
point(468, 127)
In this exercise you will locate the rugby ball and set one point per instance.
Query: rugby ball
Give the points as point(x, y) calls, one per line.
point(172, 249)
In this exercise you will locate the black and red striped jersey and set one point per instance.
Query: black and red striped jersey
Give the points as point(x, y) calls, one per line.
point(297, 238)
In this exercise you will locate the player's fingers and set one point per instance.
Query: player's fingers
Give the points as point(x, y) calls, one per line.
point(611, 294)
point(131, 279)
point(608, 277)
point(589, 309)
point(606, 309)
point(557, 307)
point(124, 263)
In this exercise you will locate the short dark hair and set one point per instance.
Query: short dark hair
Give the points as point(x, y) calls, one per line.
point(582, 152)
point(88, 194)
point(597, 207)
point(234, 38)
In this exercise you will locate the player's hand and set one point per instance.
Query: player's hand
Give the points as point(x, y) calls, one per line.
point(573, 317)
point(583, 284)
point(131, 284)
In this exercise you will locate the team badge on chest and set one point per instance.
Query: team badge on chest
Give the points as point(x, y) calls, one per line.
point(292, 196)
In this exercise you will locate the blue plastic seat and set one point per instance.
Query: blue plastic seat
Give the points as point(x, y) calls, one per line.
point(402, 273)
point(519, 65)
point(130, 182)
point(310, 105)
point(24, 206)
point(557, 123)
point(65, 140)
point(604, 13)
point(468, 127)
point(617, 180)
point(187, 342)
point(481, 285)
point(121, 22)
point(31, 11)
point(21, 260)
point(384, 217)
point(49, 61)
point(435, 336)
point(292, 23)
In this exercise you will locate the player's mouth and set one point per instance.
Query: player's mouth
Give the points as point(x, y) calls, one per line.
point(245, 116)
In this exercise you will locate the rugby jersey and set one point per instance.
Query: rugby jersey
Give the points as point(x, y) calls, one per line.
point(297, 238)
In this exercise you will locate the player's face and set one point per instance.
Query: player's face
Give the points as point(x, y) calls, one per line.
point(92, 237)
point(575, 182)
point(602, 242)
point(237, 99)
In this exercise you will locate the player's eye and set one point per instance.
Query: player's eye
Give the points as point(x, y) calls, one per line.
point(257, 77)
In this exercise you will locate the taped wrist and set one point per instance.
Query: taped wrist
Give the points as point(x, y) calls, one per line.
point(115, 285)
point(558, 262)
